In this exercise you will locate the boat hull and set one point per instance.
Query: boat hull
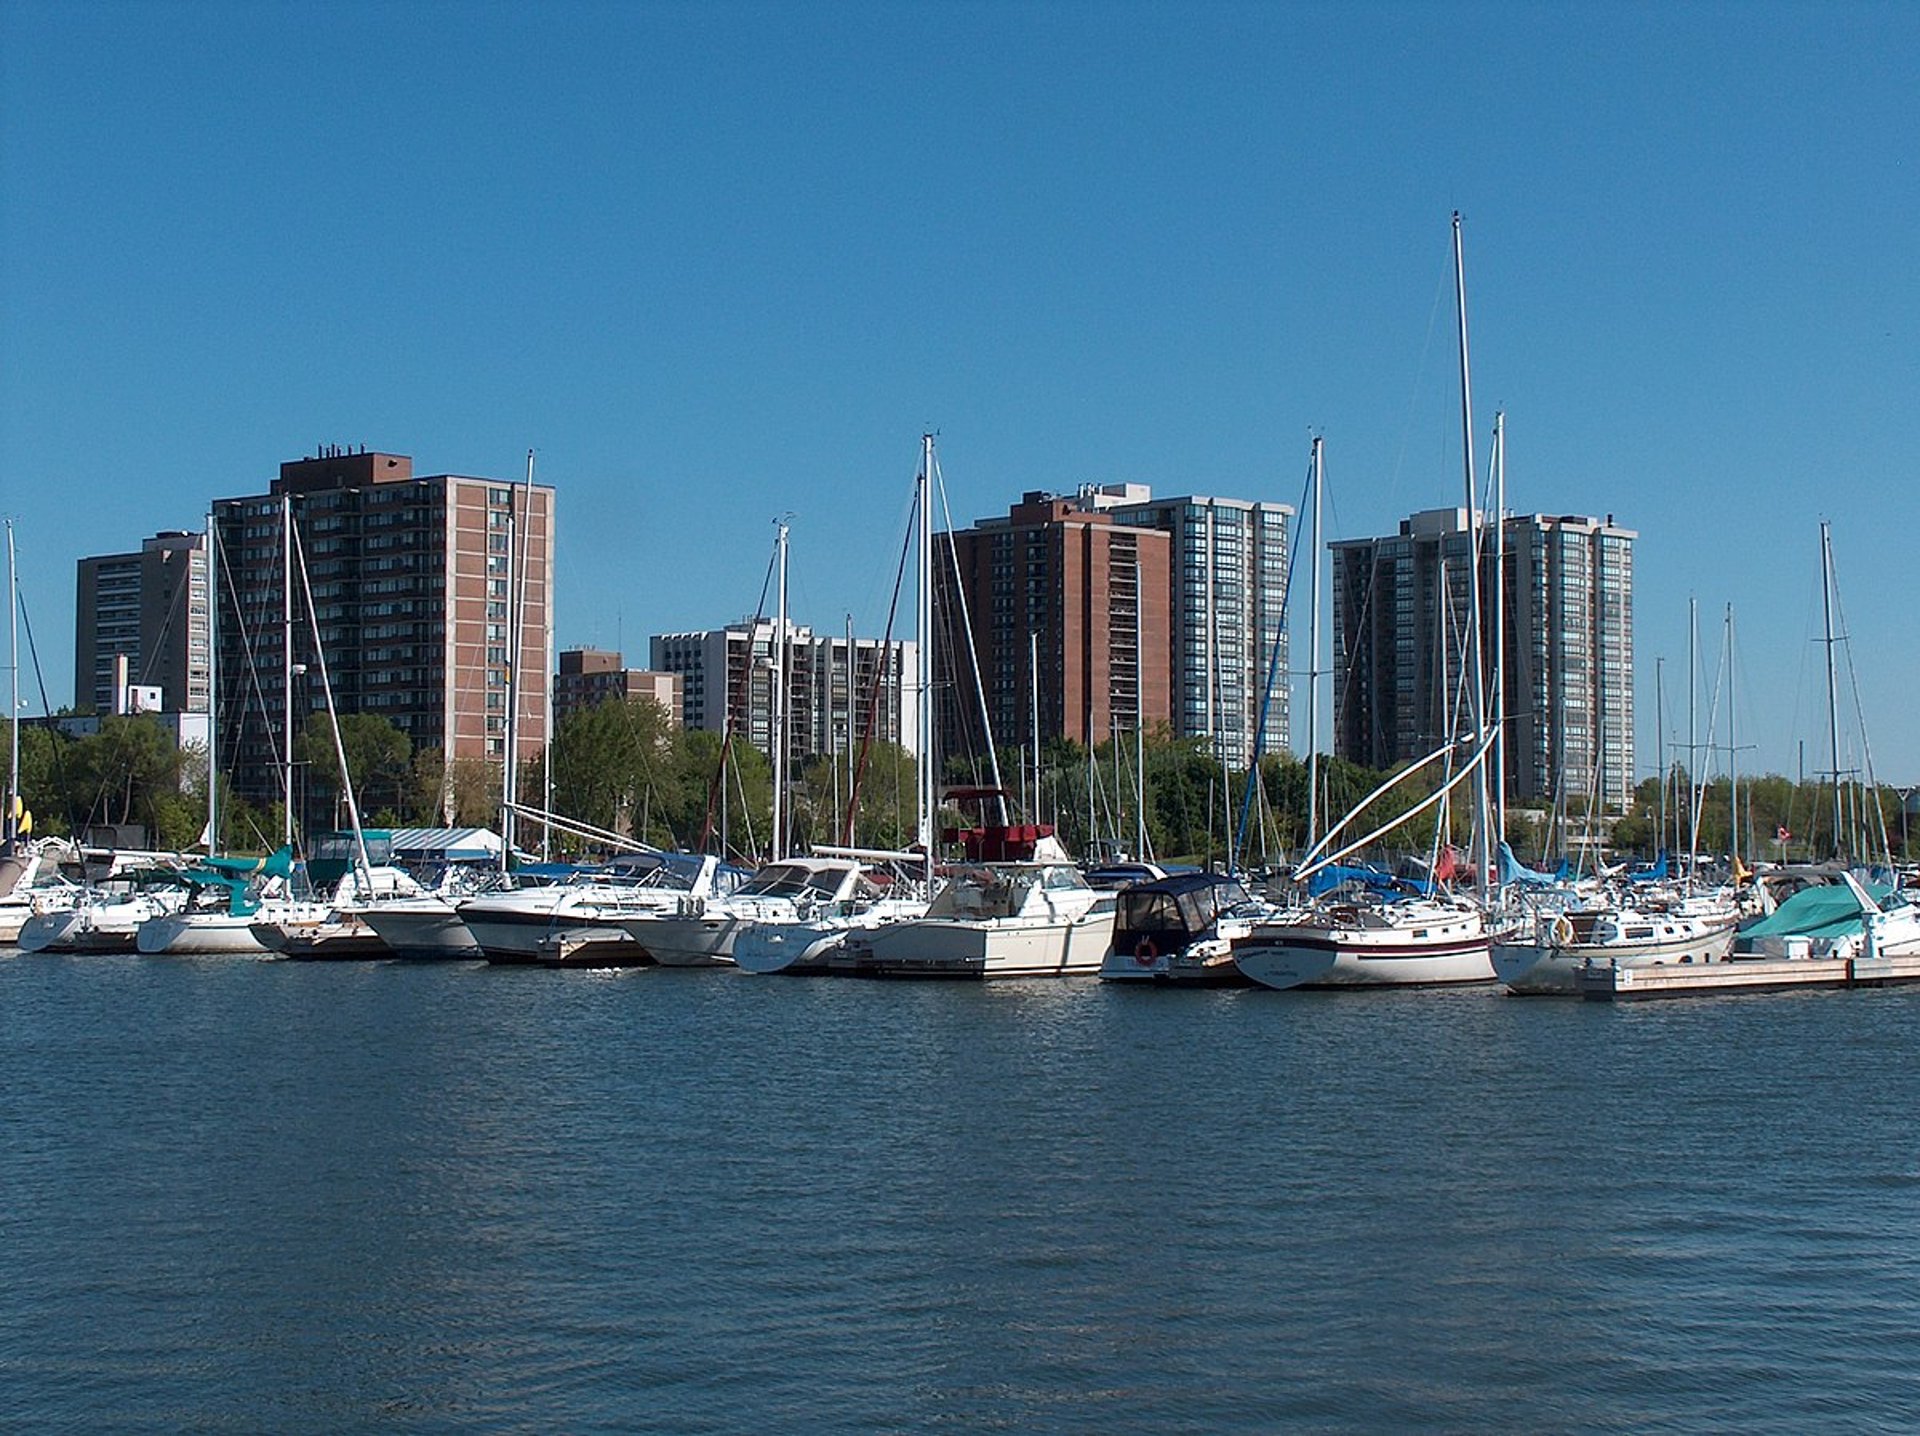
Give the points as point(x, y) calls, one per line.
point(1439, 952)
point(1535, 969)
point(200, 934)
point(427, 931)
point(957, 948)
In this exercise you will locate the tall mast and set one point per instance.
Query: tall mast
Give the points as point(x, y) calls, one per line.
point(1660, 738)
point(1477, 691)
point(1313, 657)
point(1833, 682)
point(779, 715)
point(12, 820)
point(1733, 754)
point(923, 682)
point(286, 666)
point(1497, 755)
point(1033, 682)
point(1693, 691)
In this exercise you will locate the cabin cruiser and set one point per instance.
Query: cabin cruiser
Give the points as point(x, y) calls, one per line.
point(582, 921)
point(1180, 931)
point(796, 892)
point(1032, 918)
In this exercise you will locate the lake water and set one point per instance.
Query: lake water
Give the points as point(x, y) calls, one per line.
point(263, 1196)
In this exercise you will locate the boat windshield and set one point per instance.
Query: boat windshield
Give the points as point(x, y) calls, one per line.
point(786, 880)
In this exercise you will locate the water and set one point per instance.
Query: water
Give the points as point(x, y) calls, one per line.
point(245, 1196)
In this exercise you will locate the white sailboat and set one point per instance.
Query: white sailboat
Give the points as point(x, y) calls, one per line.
point(1362, 936)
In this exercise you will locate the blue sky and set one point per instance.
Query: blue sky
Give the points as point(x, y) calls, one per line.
point(718, 263)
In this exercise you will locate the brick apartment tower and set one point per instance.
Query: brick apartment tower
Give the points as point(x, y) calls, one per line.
point(1093, 590)
point(413, 582)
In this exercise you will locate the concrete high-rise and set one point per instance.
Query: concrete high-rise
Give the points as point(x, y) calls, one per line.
point(150, 609)
point(839, 690)
point(415, 581)
point(1401, 620)
point(1228, 590)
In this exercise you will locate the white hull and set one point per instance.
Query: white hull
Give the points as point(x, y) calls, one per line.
point(1431, 950)
point(422, 927)
point(673, 941)
point(1007, 947)
point(1207, 963)
point(199, 933)
point(1534, 968)
point(89, 926)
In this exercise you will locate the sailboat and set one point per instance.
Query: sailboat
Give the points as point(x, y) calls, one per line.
point(880, 887)
point(1360, 934)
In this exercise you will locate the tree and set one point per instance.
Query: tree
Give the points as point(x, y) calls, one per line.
point(378, 761)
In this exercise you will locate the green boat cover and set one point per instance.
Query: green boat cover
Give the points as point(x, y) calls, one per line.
point(1814, 912)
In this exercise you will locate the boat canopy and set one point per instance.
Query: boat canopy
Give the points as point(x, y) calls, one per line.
point(1831, 911)
point(1186, 903)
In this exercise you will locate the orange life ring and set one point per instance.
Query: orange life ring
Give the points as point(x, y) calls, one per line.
point(1145, 953)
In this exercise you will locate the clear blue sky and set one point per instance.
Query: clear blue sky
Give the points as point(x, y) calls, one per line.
point(716, 263)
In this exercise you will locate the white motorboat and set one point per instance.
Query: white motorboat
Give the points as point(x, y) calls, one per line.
point(1015, 919)
point(1367, 941)
point(583, 921)
point(1180, 930)
point(704, 933)
point(99, 920)
point(1544, 952)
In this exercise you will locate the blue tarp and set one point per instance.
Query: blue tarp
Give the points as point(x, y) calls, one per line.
point(1512, 872)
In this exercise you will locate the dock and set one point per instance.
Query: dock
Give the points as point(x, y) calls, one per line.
point(1607, 983)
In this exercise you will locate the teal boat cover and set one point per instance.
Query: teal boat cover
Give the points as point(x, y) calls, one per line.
point(1814, 912)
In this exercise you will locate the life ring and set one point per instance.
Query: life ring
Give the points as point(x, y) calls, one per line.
point(1145, 953)
point(1563, 931)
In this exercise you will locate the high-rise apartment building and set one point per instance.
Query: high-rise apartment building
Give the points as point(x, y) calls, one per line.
point(1401, 636)
point(1228, 592)
point(590, 676)
point(149, 608)
point(840, 689)
point(414, 582)
point(1086, 591)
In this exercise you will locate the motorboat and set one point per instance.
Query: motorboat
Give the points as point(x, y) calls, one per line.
point(1180, 930)
point(582, 922)
point(705, 932)
point(1034, 918)
point(1543, 952)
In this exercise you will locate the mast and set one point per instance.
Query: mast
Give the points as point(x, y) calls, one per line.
point(1733, 755)
point(778, 838)
point(12, 821)
point(1139, 720)
point(1476, 693)
point(1660, 736)
point(1033, 678)
point(1313, 657)
point(286, 666)
point(1833, 682)
point(1693, 691)
point(923, 680)
point(1497, 755)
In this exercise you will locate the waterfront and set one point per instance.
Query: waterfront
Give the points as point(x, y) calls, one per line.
point(251, 1195)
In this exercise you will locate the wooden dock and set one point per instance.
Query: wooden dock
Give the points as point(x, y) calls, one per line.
point(1736, 975)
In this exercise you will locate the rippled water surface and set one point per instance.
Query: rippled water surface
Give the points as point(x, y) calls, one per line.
point(248, 1196)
